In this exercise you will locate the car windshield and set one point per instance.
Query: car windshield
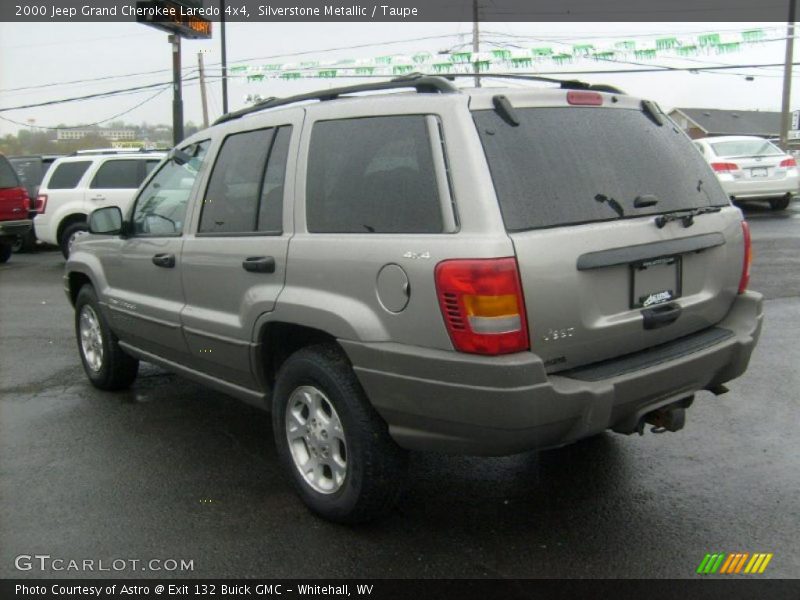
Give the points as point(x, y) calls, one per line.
point(734, 148)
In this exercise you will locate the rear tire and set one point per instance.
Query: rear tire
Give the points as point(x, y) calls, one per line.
point(342, 461)
point(105, 363)
point(25, 243)
point(5, 252)
point(780, 203)
point(69, 234)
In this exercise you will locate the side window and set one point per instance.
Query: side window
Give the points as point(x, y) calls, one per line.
point(67, 175)
point(270, 210)
point(372, 175)
point(161, 206)
point(149, 165)
point(8, 177)
point(245, 191)
point(119, 174)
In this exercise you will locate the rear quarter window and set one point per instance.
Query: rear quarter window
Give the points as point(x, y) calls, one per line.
point(558, 165)
point(67, 175)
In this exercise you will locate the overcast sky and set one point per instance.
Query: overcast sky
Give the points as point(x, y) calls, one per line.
point(51, 53)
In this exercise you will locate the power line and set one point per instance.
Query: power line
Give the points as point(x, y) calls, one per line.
point(111, 118)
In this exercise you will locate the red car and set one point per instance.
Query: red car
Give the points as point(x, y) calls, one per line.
point(14, 208)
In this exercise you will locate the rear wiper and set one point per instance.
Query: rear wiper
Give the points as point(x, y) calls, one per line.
point(612, 203)
point(685, 216)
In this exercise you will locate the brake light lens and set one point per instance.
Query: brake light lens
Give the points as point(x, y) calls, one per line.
point(788, 162)
point(748, 258)
point(482, 305)
point(580, 98)
point(724, 167)
point(41, 204)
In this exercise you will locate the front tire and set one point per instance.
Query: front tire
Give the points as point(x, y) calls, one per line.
point(334, 446)
point(105, 363)
point(5, 252)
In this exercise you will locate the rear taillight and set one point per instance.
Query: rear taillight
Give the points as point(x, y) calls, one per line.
point(482, 305)
point(580, 98)
point(724, 167)
point(748, 258)
point(41, 204)
point(788, 162)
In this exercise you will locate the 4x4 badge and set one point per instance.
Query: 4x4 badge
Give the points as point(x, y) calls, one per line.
point(424, 255)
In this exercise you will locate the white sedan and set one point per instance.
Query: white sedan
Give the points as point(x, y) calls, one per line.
point(752, 168)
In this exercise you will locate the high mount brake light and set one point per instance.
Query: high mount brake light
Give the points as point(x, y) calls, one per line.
point(581, 98)
point(482, 305)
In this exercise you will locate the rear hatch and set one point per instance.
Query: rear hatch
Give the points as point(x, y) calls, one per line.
point(756, 159)
point(590, 196)
point(14, 203)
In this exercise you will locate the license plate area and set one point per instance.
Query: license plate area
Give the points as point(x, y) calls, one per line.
point(758, 172)
point(655, 281)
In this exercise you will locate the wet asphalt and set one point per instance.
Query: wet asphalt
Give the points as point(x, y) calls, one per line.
point(170, 470)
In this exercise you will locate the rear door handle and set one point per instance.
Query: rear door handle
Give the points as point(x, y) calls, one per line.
point(259, 264)
point(660, 316)
point(164, 260)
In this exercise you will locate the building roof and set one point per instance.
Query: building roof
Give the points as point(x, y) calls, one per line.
point(734, 122)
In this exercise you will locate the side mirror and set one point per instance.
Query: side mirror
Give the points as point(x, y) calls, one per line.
point(106, 221)
point(180, 157)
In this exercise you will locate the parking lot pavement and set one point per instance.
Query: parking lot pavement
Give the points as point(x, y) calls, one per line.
point(170, 470)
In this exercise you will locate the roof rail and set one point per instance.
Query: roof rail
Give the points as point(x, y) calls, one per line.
point(566, 84)
point(98, 151)
point(423, 84)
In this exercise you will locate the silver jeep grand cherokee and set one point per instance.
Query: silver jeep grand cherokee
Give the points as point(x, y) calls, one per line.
point(478, 271)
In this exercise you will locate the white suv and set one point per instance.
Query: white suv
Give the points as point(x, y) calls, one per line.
point(76, 185)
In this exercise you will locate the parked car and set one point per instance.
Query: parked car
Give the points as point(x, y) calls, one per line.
point(471, 271)
point(14, 207)
point(77, 184)
point(752, 168)
point(31, 170)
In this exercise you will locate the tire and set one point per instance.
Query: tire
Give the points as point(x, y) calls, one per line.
point(105, 363)
point(780, 203)
point(68, 233)
point(25, 243)
point(5, 251)
point(371, 468)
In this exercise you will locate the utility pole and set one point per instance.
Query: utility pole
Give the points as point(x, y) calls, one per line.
point(787, 78)
point(203, 99)
point(177, 91)
point(224, 57)
point(476, 42)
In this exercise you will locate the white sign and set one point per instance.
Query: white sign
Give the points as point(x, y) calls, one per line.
point(796, 119)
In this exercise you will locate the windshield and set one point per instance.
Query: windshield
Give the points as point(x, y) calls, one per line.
point(566, 165)
point(734, 148)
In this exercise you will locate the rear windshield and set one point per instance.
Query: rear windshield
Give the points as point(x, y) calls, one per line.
point(734, 148)
point(565, 166)
point(30, 170)
point(8, 177)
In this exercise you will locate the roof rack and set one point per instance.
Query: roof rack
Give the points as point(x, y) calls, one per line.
point(566, 84)
point(98, 151)
point(423, 84)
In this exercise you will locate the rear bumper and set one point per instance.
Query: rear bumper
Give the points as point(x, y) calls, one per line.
point(452, 402)
point(12, 229)
point(761, 188)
